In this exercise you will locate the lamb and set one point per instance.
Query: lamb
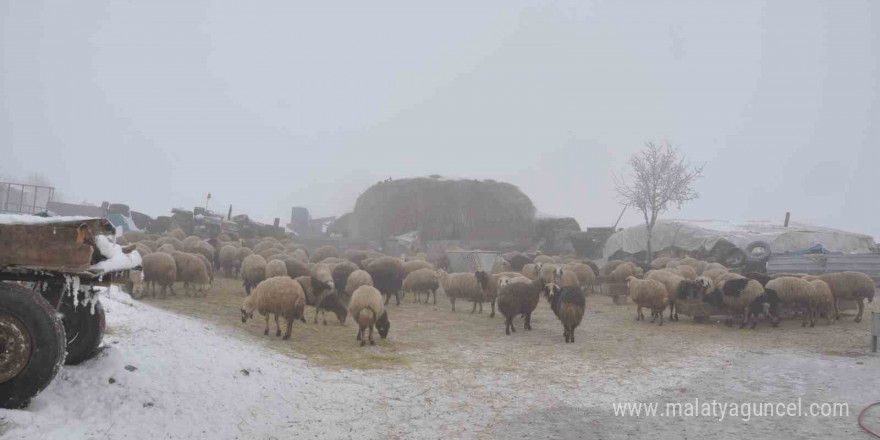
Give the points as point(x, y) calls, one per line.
point(412, 266)
point(160, 268)
point(340, 275)
point(357, 279)
point(648, 293)
point(387, 274)
point(322, 253)
point(368, 310)
point(276, 268)
point(422, 280)
point(191, 271)
point(568, 305)
point(280, 296)
point(518, 298)
point(518, 261)
point(848, 285)
point(677, 288)
point(229, 261)
point(822, 304)
point(253, 271)
point(323, 297)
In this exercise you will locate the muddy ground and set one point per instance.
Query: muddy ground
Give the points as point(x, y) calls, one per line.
point(457, 374)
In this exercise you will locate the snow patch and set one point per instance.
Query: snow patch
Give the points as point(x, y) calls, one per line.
point(116, 259)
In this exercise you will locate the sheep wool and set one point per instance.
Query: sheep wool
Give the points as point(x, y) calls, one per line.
point(357, 279)
point(368, 310)
point(160, 268)
point(279, 296)
point(253, 271)
point(422, 280)
point(650, 294)
point(276, 268)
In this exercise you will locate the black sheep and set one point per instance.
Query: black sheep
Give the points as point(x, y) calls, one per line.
point(568, 305)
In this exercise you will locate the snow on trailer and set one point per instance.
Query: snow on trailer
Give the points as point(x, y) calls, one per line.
point(46, 319)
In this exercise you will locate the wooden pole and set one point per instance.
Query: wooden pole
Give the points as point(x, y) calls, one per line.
point(620, 217)
point(787, 217)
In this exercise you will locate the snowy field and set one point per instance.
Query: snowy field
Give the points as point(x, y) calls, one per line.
point(164, 374)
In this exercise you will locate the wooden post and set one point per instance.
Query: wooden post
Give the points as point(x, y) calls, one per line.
point(229, 215)
point(787, 217)
point(875, 330)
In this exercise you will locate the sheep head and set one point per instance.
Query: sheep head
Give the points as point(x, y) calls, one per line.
point(482, 279)
point(245, 315)
point(383, 325)
point(550, 290)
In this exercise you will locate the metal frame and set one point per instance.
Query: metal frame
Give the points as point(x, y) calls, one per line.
point(6, 189)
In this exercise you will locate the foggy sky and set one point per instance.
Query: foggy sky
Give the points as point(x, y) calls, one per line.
point(274, 104)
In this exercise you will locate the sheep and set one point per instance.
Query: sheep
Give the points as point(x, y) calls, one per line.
point(660, 262)
point(264, 245)
point(202, 248)
point(142, 249)
point(518, 261)
point(166, 248)
point(466, 285)
point(545, 271)
point(412, 266)
point(713, 274)
point(565, 278)
point(323, 297)
point(624, 271)
point(322, 253)
point(387, 274)
point(323, 273)
point(568, 305)
point(177, 244)
point(191, 271)
point(368, 310)
point(759, 277)
point(677, 288)
point(160, 268)
point(279, 296)
point(208, 266)
point(519, 298)
point(276, 268)
point(695, 264)
point(848, 285)
point(585, 275)
point(610, 266)
point(822, 304)
point(229, 261)
point(796, 294)
point(686, 272)
point(177, 233)
point(352, 254)
point(543, 259)
point(340, 275)
point(530, 271)
point(188, 242)
point(300, 255)
point(706, 282)
point(713, 266)
point(253, 271)
point(152, 244)
point(648, 293)
point(746, 298)
point(296, 268)
point(268, 254)
point(422, 280)
point(357, 279)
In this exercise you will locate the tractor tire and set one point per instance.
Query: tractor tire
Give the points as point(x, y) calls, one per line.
point(84, 330)
point(31, 345)
point(762, 254)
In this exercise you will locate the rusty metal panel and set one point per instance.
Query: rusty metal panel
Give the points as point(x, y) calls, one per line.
point(59, 246)
point(817, 264)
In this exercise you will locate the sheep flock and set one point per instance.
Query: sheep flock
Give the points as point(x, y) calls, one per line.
point(281, 278)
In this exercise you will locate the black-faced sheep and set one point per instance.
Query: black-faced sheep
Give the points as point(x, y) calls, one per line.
point(518, 261)
point(387, 274)
point(650, 294)
point(568, 305)
point(368, 310)
point(422, 280)
point(253, 270)
point(519, 298)
point(848, 285)
point(279, 296)
point(746, 298)
point(160, 268)
point(322, 296)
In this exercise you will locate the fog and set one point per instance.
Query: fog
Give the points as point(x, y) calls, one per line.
point(276, 104)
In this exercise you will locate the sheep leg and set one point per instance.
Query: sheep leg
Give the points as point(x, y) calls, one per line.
point(452, 300)
point(317, 309)
point(372, 342)
point(266, 332)
point(435, 296)
point(528, 323)
point(836, 310)
point(360, 334)
point(660, 314)
point(387, 298)
point(289, 327)
point(171, 288)
point(671, 309)
point(397, 298)
point(492, 315)
point(654, 317)
point(638, 313)
point(324, 316)
point(475, 307)
point(861, 303)
point(277, 326)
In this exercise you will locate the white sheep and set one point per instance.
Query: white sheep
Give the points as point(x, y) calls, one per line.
point(367, 308)
point(279, 296)
point(650, 294)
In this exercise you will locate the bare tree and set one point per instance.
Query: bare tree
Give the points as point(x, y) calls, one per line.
point(660, 177)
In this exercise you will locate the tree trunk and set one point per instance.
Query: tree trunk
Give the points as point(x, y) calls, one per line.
point(648, 253)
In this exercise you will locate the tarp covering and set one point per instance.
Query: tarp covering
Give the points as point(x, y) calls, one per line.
point(692, 235)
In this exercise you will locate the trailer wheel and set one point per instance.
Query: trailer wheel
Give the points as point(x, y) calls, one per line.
point(84, 330)
point(31, 345)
